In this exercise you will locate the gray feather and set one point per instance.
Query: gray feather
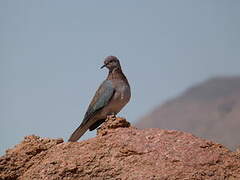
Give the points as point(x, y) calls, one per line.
point(99, 101)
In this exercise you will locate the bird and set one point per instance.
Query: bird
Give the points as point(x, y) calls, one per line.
point(111, 96)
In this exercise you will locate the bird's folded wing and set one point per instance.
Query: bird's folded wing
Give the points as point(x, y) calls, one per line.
point(102, 97)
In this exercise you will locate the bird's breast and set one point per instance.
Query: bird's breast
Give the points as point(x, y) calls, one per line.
point(120, 98)
point(122, 92)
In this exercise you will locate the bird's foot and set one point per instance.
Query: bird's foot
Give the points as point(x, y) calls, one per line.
point(111, 116)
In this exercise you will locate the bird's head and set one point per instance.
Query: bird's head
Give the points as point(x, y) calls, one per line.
point(111, 62)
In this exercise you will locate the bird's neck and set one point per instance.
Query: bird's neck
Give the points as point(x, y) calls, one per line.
point(116, 74)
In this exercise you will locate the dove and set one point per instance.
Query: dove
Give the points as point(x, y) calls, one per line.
point(112, 95)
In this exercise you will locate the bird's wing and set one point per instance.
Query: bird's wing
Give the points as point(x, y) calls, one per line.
point(102, 97)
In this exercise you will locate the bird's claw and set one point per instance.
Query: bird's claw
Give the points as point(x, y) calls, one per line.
point(111, 116)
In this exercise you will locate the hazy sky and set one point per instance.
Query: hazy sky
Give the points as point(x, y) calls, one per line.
point(51, 51)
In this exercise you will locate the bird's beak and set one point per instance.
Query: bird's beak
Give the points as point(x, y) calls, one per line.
point(103, 66)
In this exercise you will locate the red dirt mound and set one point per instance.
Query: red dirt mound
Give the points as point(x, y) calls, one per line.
point(121, 152)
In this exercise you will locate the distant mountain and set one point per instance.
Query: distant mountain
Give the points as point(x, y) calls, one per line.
point(210, 110)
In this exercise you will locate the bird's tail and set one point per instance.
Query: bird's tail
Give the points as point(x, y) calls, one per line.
point(78, 133)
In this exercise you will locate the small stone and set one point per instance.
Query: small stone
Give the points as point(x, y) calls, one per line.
point(112, 122)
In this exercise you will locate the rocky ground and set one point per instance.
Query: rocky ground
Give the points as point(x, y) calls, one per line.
point(120, 151)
